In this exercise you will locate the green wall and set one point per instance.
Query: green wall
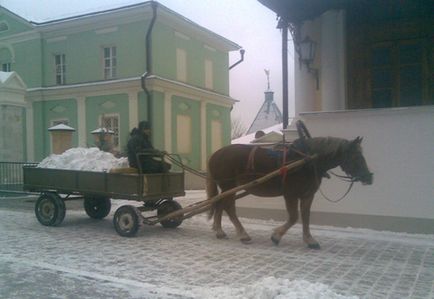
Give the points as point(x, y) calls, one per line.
point(84, 54)
point(44, 113)
point(215, 112)
point(185, 106)
point(107, 104)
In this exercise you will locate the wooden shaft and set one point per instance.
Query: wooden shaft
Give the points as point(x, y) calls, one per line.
point(206, 204)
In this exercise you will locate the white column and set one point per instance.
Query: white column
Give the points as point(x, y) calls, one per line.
point(133, 109)
point(304, 90)
point(168, 122)
point(203, 134)
point(332, 77)
point(30, 133)
point(81, 121)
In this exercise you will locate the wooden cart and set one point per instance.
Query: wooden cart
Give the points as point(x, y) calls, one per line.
point(97, 188)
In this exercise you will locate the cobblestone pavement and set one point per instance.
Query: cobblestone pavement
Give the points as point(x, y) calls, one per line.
point(85, 258)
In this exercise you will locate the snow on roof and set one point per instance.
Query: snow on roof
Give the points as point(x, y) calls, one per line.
point(247, 139)
point(61, 127)
point(102, 130)
point(268, 115)
point(4, 76)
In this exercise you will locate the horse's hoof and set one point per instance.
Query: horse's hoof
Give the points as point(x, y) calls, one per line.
point(247, 240)
point(314, 246)
point(222, 236)
point(275, 240)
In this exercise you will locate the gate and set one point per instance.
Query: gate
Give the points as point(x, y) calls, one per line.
point(11, 176)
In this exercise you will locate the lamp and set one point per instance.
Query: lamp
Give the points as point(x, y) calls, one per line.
point(307, 51)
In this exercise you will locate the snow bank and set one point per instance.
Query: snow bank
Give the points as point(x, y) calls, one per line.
point(80, 158)
point(273, 288)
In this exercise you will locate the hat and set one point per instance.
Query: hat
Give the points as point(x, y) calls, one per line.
point(144, 125)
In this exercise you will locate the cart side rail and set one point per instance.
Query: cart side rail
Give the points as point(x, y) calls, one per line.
point(113, 185)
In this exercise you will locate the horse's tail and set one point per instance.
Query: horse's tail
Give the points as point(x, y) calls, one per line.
point(211, 191)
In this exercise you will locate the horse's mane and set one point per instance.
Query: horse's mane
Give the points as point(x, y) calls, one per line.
point(323, 146)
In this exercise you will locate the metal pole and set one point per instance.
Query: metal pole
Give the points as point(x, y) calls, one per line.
point(285, 73)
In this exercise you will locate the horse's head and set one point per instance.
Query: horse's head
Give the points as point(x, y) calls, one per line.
point(354, 164)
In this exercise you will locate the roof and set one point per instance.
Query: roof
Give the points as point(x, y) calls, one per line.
point(11, 80)
point(297, 11)
point(102, 130)
point(127, 11)
point(274, 131)
point(300, 10)
point(4, 76)
point(61, 127)
point(268, 115)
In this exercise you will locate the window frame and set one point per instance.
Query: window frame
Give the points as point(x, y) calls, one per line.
point(109, 72)
point(60, 68)
point(394, 67)
point(6, 67)
point(117, 131)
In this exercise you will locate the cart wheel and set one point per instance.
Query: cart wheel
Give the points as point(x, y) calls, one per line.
point(50, 209)
point(168, 207)
point(127, 221)
point(97, 207)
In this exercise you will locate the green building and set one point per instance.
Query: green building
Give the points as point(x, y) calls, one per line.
point(112, 69)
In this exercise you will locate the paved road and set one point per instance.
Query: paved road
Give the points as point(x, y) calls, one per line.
point(85, 258)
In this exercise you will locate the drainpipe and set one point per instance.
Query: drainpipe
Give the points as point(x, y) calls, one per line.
point(148, 71)
point(283, 25)
point(242, 51)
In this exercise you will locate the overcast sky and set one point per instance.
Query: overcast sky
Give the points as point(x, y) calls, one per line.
point(245, 22)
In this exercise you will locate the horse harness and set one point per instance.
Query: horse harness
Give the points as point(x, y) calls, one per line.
point(250, 167)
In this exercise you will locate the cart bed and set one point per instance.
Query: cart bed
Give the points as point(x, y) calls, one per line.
point(133, 186)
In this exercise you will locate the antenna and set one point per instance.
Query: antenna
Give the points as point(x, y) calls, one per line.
point(267, 73)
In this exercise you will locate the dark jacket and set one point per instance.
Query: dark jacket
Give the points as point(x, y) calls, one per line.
point(139, 142)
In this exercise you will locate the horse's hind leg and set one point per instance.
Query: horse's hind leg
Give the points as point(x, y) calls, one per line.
point(217, 224)
point(292, 209)
point(305, 204)
point(231, 211)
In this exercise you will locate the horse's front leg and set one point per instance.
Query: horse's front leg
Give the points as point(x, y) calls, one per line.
point(305, 204)
point(292, 209)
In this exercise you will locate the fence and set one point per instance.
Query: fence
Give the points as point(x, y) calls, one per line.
point(11, 176)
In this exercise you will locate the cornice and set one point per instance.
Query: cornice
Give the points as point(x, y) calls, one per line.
point(128, 85)
point(84, 89)
point(21, 37)
point(179, 88)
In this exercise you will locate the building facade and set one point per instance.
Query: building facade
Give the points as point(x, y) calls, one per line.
point(366, 68)
point(115, 68)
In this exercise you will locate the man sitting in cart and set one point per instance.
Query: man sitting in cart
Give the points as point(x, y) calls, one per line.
point(149, 160)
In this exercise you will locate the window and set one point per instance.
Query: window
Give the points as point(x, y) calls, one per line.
point(111, 122)
point(397, 75)
point(109, 62)
point(59, 121)
point(4, 26)
point(60, 62)
point(6, 67)
point(209, 74)
point(181, 65)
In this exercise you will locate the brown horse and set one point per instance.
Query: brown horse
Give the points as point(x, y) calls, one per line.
point(238, 164)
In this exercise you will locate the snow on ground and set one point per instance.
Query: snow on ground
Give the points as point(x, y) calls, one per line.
point(273, 288)
point(80, 158)
point(85, 258)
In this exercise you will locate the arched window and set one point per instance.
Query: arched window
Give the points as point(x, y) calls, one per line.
point(3, 26)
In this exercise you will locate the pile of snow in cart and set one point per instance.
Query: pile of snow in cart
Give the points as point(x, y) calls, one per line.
point(80, 158)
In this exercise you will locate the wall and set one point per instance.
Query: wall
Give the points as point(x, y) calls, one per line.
point(398, 147)
point(12, 133)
